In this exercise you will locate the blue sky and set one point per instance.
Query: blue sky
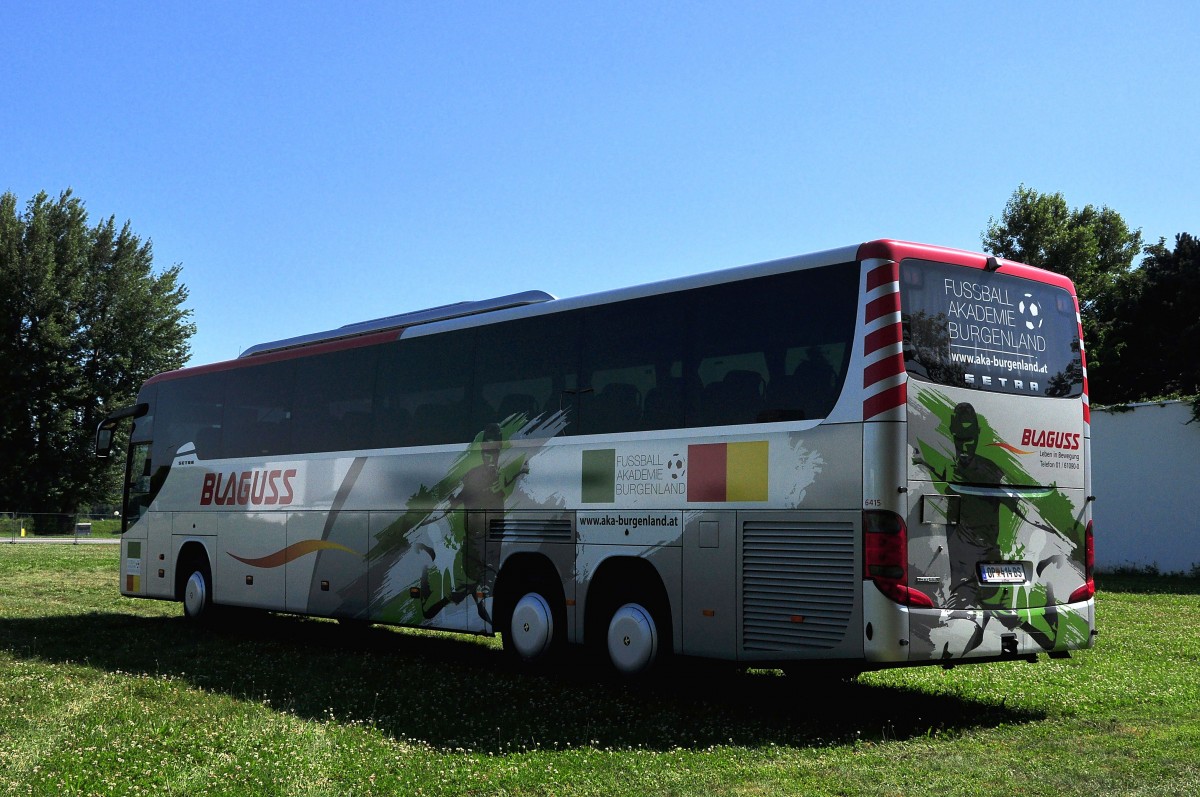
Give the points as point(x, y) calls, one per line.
point(316, 164)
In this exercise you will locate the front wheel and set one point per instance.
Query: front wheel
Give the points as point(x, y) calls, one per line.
point(632, 639)
point(197, 594)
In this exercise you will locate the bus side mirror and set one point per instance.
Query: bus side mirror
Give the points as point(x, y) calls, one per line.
point(104, 437)
point(104, 432)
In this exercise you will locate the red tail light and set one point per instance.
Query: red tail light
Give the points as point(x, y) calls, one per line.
point(1088, 590)
point(885, 558)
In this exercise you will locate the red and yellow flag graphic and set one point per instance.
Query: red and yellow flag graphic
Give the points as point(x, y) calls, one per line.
point(728, 472)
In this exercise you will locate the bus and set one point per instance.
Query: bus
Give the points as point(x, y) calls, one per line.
point(867, 457)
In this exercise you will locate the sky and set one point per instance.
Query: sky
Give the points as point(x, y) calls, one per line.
point(311, 164)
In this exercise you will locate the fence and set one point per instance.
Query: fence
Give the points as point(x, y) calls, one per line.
point(58, 527)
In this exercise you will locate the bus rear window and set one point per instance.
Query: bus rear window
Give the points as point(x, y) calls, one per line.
point(964, 327)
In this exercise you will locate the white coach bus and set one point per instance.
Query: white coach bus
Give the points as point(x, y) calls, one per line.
point(870, 457)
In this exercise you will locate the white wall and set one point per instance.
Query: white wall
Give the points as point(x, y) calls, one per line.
point(1146, 479)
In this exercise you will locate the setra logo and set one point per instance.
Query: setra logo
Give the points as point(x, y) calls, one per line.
point(250, 487)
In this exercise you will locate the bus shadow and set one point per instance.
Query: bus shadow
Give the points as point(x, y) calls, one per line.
point(459, 692)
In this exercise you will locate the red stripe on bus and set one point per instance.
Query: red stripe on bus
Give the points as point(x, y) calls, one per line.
point(308, 350)
point(888, 272)
point(884, 305)
point(1087, 409)
point(877, 372)
point(888, 336)
point(885, 400)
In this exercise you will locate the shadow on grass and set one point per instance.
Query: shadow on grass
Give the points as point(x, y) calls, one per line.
point(458, 692)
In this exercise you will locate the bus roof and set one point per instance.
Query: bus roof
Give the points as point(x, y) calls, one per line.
point(535, 302)
point(441, 313)
point(889, 249)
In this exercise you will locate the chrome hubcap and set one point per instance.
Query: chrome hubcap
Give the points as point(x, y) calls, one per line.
point(632, 639)
point(532, 626)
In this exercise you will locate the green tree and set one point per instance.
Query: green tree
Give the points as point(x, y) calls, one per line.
point(1095, 248)
point(1156, 324)
point(83, 321)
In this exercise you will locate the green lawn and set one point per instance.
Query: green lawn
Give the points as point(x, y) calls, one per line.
point(101, 694)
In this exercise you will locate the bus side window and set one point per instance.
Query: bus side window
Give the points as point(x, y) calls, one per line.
point(422, 390)
point(810, 387)
point(662, 407)
point(632, 366)
point(334, 414)
point(523, 368)
point(139, 493)
point(258, 410)
point(615, 407)
point(190, 411)
point(739, 334)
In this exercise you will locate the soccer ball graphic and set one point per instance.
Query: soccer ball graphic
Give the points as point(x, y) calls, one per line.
point(1030, 312)
point(676, 467)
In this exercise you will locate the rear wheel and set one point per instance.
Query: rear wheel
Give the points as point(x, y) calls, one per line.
point(633, 639)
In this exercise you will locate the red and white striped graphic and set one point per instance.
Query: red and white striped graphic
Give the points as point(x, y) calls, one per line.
point(884, 379)
point(1087, 408)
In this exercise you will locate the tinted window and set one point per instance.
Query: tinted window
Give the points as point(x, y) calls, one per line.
point(770, 349)
point(334, 401)
point(140, 487)
point(525, 368)
point(970, 328)
point(423, 390)
point(189, 411)
point(258, 410)
point(633, 366)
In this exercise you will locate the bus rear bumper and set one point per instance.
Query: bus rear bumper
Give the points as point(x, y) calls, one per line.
point(895, 633)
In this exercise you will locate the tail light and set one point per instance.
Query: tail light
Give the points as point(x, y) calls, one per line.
point(1088, 590)
point(885, 558)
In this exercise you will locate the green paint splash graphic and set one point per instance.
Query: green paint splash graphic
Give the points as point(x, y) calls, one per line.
point(1055, 509)
point(432, 504)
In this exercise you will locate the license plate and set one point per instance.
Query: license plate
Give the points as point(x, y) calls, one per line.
point(1009, 573)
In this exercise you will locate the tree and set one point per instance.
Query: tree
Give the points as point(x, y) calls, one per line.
point(1157, 322)
point(84, 320)
point(1093, 247)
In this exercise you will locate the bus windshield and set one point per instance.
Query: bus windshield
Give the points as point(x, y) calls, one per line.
point(964, 327)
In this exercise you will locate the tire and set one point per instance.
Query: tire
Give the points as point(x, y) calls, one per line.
point(197, 593)
point(531, 632)
point(633, 640)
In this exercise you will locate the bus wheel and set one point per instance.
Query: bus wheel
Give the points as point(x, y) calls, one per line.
point(197, 593)
point(632, 639)
point(530, 632)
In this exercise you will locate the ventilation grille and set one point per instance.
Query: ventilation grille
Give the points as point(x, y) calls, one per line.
point(798, 584)
point(533, 530)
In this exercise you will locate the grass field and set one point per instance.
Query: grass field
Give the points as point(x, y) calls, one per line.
point(101, 694)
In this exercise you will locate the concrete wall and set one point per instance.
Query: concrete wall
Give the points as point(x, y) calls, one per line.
point(1146, 479)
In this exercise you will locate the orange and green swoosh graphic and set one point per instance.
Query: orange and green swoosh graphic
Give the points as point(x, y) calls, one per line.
point(1009, 447)
point(293, 551)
